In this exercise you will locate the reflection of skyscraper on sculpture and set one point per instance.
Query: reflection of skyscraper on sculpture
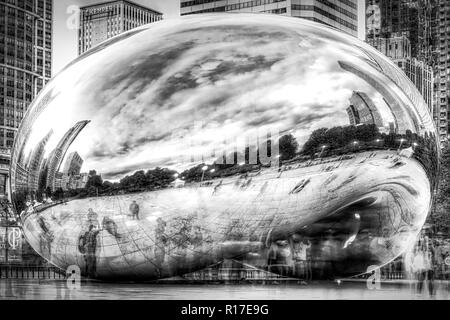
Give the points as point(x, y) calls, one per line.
point(401, 112)
point(57, 155)
point(362, 110)
point(35, 161)
point(73, 164)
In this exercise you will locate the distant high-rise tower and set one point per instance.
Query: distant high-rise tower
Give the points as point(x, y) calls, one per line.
point(341, 14)
point(362, 110)
point(73, 164)
point(25, 66)
point(57, 156)
point(105, 20)
point(35, 163)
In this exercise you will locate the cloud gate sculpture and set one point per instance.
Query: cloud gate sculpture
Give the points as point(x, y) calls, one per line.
point(275, 141)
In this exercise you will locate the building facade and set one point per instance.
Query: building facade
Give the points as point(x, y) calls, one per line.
point(57, 156)
point(412, 18)
point(362, 110)
point(73, 164)
point(341, 14)
point(398, 48)
point(102, 21)
point(441, 23)
point(424, 24)
point(25, 67)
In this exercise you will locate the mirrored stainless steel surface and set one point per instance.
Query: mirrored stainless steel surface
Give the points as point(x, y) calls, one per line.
point(276, 141)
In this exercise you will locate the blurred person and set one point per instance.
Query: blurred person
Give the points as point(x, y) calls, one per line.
point(134, 210)
point(422, 266)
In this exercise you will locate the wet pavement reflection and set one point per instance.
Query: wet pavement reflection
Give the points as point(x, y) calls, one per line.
point(58, 290)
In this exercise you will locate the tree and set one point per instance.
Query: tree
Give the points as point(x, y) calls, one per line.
point(94, 182)
point(288, 147)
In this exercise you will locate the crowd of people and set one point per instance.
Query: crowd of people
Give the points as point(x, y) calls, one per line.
point(428, 261)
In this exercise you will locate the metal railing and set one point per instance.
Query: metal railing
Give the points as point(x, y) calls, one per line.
point(30, 272)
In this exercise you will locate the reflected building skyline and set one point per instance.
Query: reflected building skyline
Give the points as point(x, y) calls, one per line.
point(362, 110)
point(73, 164)
point(57, 155)
point(36, 162)
point(398, 48)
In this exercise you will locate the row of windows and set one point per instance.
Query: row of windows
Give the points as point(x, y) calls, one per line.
point(195, 2)
point(349, 3)
point(325, 14)
point(216, 9)
point(250, 4)
point(36, 7)
point(338, 8)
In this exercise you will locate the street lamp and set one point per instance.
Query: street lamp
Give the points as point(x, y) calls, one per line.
point(204, 169)
point(323, 149)
point(401, 144)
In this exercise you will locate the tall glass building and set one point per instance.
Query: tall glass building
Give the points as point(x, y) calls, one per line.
point(442, 67)
point(392, 26)
point(102, 21)
point(409, 17)
point(25, 66)
point(341, 14)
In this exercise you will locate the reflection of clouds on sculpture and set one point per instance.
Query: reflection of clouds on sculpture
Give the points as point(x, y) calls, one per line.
point(354, 179)
point(147, 96)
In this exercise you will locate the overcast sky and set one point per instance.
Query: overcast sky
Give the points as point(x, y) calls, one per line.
point(65, 37)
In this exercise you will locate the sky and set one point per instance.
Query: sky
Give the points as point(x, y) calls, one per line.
point(65, 35)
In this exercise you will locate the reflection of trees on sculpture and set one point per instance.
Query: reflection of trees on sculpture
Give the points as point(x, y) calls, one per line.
point(340, 138)
point(288, 147)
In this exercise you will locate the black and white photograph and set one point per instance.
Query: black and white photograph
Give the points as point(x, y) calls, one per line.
point(225, 150)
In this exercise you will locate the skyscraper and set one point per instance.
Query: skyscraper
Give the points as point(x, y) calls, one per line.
point(392, 26)
point(341, 14)
point(385, 18)
point(441, 23)
point(25, 66)
point(57, 156)
point(398, 48)
point(35, 162)
point(102, 21)
point(73, 164)
point(362, 110)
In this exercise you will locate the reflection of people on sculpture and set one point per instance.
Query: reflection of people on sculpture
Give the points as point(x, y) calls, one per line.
point(300, 253)
point(197, 239)
point(134, 210)
point(160, 242)
point(92, 219)
point(279, 258)
point(110, 225)
point(46, 237)
point(422, 264)
point(87, 245)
